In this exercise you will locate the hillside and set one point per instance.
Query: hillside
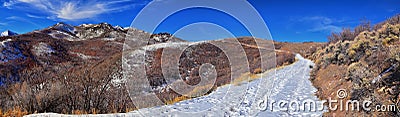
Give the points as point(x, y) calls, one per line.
point(365, 63)
point(240, 99)
point(306, 49)
point(50, 69)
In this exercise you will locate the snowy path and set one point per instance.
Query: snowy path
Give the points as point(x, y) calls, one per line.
point(243, 100)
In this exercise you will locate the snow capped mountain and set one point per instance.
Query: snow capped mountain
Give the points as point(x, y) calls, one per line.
point(65, 27)
point(118, 27)
point(8, 33)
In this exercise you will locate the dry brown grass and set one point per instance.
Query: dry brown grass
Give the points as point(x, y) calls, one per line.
point(258, 70)
point(177, 99)
point(79, 112)
point(196, 92)
point(246, 77)
point(15, 112)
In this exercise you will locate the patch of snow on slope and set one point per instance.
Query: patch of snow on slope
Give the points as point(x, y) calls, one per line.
point(9, 51)
point(62, 35)
point(64, 31)
point(118, 27)
point(172, 45)
point(109, 39)
point(4, 42)
point(83, 56)
point(65, 27)
point(117, 81)
point(43, 49)
point(86, 25)
point(165, 45)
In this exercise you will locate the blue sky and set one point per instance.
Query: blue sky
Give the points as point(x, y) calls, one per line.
point(287, 20)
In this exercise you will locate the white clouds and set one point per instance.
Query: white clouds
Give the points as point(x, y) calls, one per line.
point(324, 20)
point(34, 16)
point(8, 4)
point(326, 28)
point(322, 24)
point(71, 10)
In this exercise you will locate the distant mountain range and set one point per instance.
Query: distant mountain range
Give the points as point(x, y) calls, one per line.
point(8, 33)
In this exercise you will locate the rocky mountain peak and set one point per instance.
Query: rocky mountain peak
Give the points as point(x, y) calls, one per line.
point(161, 37)
point(8, 33)
point(64, 27)
point(97, 26)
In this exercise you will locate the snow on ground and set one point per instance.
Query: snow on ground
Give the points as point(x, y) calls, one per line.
point(43, 49)
point(83, 56)
point(109, 39)
point(165, 45)
point(62, 35)
point(9, 51)
point(292, 83)
point(4, 42)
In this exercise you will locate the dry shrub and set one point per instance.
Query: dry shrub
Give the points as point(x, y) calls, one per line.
point(353, 65)
point(196, 92)
point(202, 90)
point(358, 48)
point(177, 99)
point(79, 112)
point(257, 71)
point(15, 112)
point(246, 77)
point(348, 34)
point(127, 110)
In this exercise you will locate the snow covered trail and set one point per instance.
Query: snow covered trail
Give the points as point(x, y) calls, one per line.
point(291, 83)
